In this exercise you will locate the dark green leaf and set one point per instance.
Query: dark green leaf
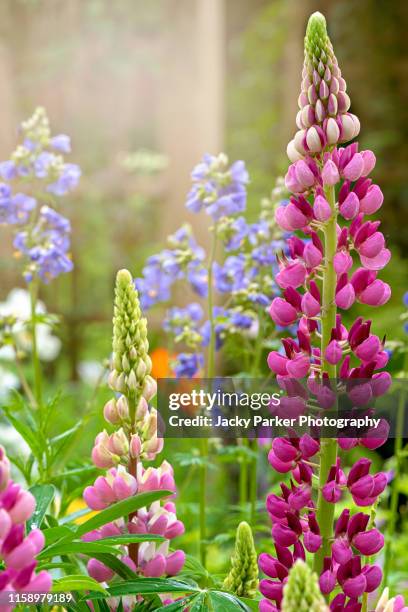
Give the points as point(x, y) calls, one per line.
point(77, 582)
point(179, 605)
point(68, 548)
point(147, 586)
point(44, 494)
point(225, 602)
point(200, 603)
point(122, 508)
point(55, 533)
point(130, 537)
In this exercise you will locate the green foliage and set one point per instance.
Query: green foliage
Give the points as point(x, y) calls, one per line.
point(243, 576)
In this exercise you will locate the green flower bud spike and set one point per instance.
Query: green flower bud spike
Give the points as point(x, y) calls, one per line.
point(131, 364)
point(301, 592)
point(242, 579)
point(324, 118)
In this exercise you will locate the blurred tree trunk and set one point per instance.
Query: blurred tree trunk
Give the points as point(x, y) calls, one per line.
point(191, 107)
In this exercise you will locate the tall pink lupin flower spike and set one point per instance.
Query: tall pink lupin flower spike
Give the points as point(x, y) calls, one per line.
point(334, 266)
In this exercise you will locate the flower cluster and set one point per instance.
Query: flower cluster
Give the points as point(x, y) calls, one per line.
point(244, 279)
point(133, 441)
point(331, 199)
point(219, 189)
point(37, 166)
point(17, 550)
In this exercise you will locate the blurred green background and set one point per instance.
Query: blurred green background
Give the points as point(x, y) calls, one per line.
point(144, 89)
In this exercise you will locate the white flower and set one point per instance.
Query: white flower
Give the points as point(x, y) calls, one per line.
point(90, 372)
point(18, 305)
point(12, 441)
point(8, 381)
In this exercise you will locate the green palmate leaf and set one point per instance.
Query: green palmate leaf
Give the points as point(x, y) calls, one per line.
point(225, 602)
point(148, 586)
point(122, 508)
point(77, 582)
point(199, 604)
point(69, 548)
point(43, 494)
point(193, 569)
point(252, 604)
point(178, 605)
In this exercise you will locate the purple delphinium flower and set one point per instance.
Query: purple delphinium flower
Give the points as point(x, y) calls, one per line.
point(61, 143)
point(231, 275)
point(67, 180)
point(188, 365)
point(154, 286)
point(14, 210)
point(178, 319)
point(46, 246)
point(217, 188)
point(43, 235)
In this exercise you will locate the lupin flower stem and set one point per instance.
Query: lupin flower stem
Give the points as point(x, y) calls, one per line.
point(253, 493)
point(328, 447)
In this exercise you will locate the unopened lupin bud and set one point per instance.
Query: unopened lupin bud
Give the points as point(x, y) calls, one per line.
point(150, 388)
point(110, 412)
point(302, 592)
point(122, 407)
point(135, 446)
point(118, 443)
point(242, 579)
point(130, 361)
point(323, 118)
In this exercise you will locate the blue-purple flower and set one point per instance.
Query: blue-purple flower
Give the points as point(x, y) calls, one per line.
point(43, 236)
point(14, 210)
point(188, 365)
point(45, 247)
point(218, 188)
point(231, 276)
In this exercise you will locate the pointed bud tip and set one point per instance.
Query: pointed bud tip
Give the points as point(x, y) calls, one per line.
point(316, 39)
point(124, 276)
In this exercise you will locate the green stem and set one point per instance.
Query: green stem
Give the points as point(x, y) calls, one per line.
point(243, 476)
point(36, 360)
point(367, 560)
point(328, 447)
point(253, 492)
point(133, 400)
point(398, 442)
point(209, 375)
point(202, 502)
point(211, 345)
